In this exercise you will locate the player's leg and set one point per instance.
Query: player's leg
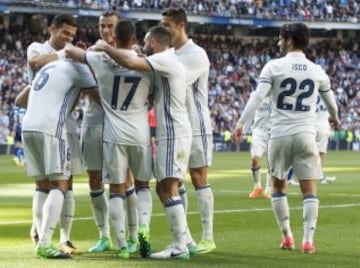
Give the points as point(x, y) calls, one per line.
point(115, 170)
point(200, 160)
point(168, 169)
point(144, 200)
point(66, 219)
point(57, 168)
point(279, 155)
point(167, 190)
point(51, 214)
point(310, 214)
point(91, 144)
point(132, 213)
point(118, 218)
point(33, 144)
point(322, 140)
point(268, 188)
point(183, 195)
point(100, 211)
point(257, 150)
point(141, 165)
point(67, 214)
point(256, 176)
point(306, 166)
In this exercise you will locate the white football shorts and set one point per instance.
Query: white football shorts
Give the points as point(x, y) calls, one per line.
point(172, 158)
point(46, 156)
point(117, 158)
point(298, 150)
point(201, 151)
point(91, 147)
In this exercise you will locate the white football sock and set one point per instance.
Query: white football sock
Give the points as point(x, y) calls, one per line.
point(51, 214)
point(268, 189)
point(282, 214)
point(206, 206)
point(117, 214)
point(184, 198)
point(131, 211)
point(256, 177)
point(144, 205)
point(176, 218)
point(67, 216)
point(100, 210)
point(39, 199)
point(310, 215)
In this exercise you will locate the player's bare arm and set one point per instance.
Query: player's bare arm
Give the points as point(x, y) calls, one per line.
point(22, 99)
point(75, 53)
point(39, 61)
point(122, 58)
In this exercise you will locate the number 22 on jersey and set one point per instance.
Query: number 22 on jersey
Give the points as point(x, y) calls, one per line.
point(290, 86)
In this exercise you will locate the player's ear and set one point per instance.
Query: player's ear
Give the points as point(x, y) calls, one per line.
point(51, 28)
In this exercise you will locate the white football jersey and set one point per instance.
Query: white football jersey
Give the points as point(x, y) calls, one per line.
point(93, 114)
point(322, 117)
point(53, 93)
point(124, 97)
point(295, 82)
point(261, 124)
point(169, 96)
point(36, 49)
point(197, 66)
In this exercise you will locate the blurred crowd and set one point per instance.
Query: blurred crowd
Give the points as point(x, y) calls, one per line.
point(235, 67)
point(304, 10)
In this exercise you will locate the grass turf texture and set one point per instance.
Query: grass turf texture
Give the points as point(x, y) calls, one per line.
point(246, 233)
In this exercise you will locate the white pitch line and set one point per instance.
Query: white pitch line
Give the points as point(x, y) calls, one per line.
point(226, 211)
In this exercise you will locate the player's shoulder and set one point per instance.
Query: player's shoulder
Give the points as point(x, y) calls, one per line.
point(78, 66)
point(35, 45)
point(196, 49)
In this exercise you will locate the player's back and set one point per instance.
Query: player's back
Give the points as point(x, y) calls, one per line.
point(295, 84)
point(124, 96)
point(197, 66)
point(53, 92)
point(169, 96)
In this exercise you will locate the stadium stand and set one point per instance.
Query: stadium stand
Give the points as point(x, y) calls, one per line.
point(308, 10)
point(235, 61)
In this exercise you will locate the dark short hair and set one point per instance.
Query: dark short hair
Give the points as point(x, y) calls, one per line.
point(177, 15)
point(61, 19)
point(125, 30)
point(299, 33)
point(161, 34)
point(110, 13)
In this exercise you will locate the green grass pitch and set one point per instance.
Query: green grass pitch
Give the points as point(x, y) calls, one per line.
point(246, 233)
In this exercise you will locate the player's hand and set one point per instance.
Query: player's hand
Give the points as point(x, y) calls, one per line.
point(138, 50)
point(81, 44)
point(100, 45)
point(68, 46)
point(237, 134)
point(335, 124)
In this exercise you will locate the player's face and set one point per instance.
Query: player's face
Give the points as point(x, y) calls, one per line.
point(62, 35)
point(148, 46)
point(107, 28)
point(174, 29)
